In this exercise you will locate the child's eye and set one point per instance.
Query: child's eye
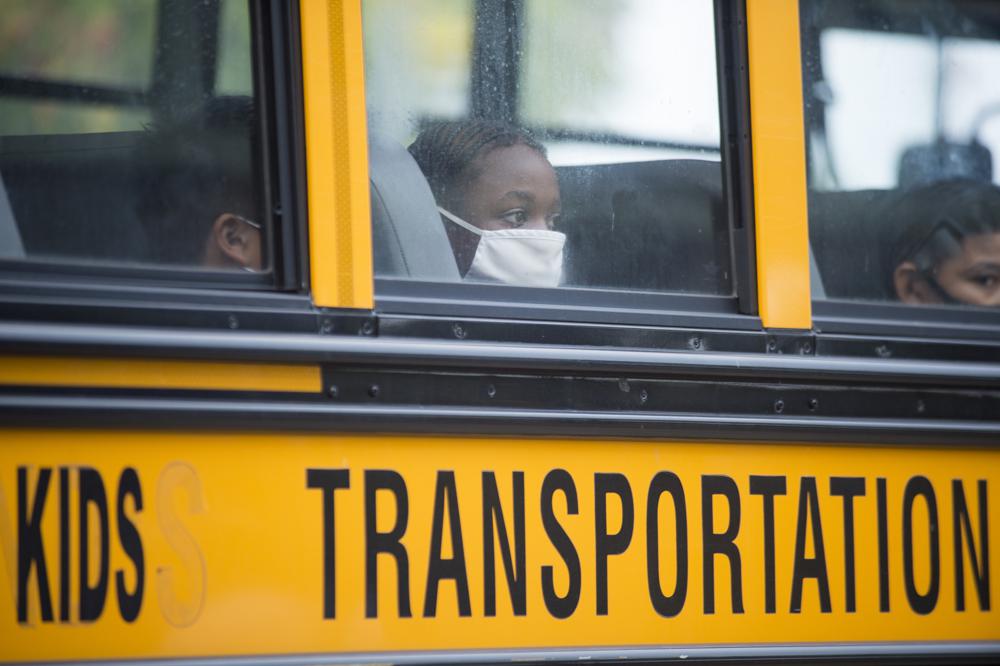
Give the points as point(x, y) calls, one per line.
point(986, 281)
point(515, 218)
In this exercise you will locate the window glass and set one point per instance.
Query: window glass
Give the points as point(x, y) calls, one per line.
point(614, 68)
point(79, 40)
point(417, 63)
point(234, 75)
point(903, 121)
point(116, 148)
point(569, 143)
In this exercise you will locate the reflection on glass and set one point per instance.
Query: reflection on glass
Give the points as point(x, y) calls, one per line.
point(902, 103)
point(643, 69)
point(84, 41)
point(551, 143)
point(22, 117)
point(128, 134)
point(417, 62)
point(234, 74)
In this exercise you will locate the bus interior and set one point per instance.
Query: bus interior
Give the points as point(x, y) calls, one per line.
point(895, 98)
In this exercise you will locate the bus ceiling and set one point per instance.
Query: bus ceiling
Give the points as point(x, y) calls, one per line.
point(961, 18)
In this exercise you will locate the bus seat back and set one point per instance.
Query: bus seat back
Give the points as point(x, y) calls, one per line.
point(72, 195)
point(843, 228)
point(408, 238)
point(656, 225)
point(10, 238)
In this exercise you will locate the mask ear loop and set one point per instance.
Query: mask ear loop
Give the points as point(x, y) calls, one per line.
point(254, 225)
point(924, 253)
point(460, 222)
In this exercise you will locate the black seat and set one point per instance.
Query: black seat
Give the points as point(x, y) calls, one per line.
point(72, 195)
point(851, 235)
point(646, 225)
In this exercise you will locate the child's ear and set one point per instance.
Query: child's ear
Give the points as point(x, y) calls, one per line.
point(233, 238)
point(911, 285)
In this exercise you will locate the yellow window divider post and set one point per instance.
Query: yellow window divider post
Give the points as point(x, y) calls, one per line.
point(340, 245)
point(779, 169)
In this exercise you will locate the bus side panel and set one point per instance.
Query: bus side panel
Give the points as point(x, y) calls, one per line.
point(151, 544)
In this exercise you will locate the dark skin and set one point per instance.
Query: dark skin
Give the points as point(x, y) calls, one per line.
point(513, 187)
point(233, 242)
point(971, 276)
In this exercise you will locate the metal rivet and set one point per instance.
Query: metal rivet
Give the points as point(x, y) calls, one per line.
point(233, 321)
point(807, 347)
point(813, 404)
point(491, 390)
point(333, 391)
point(327, 326)
point(921, 407)
point(367, 328)
point(623, 386)
point(458, 331)
point(373, 390)
point(695, 343)
point(779, 406)
point(643, 396)
point(771, 345)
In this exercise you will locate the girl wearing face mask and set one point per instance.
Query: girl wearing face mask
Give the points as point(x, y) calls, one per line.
point(499, 201)
point(949, 250)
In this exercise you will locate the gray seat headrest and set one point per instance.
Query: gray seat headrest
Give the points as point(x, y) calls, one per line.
point(816, 289)
point(408, 237)
point(10, 238)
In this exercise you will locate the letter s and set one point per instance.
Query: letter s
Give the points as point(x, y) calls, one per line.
point(180, 610)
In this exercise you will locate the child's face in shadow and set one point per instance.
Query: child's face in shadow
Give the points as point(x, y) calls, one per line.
point(971, 276)
point(512, 187)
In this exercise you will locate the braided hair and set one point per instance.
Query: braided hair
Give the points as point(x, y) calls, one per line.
point(934, 219)
point(446, 150)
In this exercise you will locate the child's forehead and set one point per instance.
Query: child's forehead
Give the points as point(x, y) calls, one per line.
point(510, 161)
point(976, 249)
point(987, 243)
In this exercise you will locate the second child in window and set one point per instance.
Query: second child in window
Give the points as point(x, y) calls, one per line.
point(499, 200)
point(949, 250)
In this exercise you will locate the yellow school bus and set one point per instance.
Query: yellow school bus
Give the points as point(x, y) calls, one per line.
point(470, 331)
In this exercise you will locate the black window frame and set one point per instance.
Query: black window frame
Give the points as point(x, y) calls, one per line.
point(92, 292)
point(402, 296)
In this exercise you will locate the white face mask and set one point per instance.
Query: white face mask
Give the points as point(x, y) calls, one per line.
point(522, 257)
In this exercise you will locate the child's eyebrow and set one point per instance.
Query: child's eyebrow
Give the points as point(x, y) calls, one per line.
point(521, 194)
point(983, 265)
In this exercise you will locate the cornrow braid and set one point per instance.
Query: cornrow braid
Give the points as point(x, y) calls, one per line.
point(445, 150)
point(959, 207)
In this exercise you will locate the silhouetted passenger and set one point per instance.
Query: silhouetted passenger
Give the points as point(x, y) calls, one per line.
point(499, 199)
point(949, 248)
point(197, 195)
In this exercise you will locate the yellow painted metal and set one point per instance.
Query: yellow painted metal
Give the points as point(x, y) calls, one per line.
point(340, 246)
point(779, 170)
point(142, 373)
point(232, 543)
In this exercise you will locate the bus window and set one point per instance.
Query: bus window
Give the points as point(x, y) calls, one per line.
point(129, 136)
point(532, 144)
point(903, 120)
